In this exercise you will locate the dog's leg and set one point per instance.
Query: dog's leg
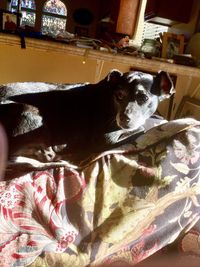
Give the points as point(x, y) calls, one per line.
point(33, 139)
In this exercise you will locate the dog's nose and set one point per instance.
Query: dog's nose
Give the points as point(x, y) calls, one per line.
point(124, 118)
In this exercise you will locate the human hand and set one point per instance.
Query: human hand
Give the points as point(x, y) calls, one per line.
point(3, 152)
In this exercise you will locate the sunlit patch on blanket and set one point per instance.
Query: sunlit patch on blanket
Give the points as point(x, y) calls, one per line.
point(33, 214)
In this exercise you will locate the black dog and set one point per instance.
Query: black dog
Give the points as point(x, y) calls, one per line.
point(84, 117)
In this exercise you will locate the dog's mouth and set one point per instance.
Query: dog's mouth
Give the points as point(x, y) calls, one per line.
point(126, 123)
point(123, 122)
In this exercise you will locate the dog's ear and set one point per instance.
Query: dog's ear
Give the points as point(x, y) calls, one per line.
point(162, 85)
point(114, 76)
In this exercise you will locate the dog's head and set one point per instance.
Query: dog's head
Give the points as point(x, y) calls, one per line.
point(137, 95)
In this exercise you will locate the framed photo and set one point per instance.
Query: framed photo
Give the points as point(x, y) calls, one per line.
point(8, 21)
point(189, 107)
point(172, 44)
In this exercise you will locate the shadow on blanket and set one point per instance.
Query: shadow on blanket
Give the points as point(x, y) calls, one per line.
point(117, 210)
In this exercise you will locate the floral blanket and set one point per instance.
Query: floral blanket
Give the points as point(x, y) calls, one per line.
point(121, 207)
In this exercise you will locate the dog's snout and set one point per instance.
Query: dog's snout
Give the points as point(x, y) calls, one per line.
point(124, 118)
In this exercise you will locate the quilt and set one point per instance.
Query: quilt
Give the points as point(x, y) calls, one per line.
point(117, 209)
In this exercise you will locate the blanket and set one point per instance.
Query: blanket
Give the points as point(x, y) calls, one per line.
point(120, 207)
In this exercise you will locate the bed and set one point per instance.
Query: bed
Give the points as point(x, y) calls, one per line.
point(116, 209)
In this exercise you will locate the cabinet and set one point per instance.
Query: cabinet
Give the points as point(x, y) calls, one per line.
point(122, 16)
point(127, 18)
point(168, 12)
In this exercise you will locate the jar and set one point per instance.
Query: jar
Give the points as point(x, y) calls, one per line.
point(150, 47)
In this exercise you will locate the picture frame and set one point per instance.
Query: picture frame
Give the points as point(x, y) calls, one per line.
point(172, 44)
point(8, 21)
point(189, 107)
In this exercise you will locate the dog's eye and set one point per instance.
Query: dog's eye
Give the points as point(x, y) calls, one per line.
point(141, 98)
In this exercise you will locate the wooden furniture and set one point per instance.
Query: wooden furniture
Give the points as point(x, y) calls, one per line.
point(127, 18)
point(168, 12)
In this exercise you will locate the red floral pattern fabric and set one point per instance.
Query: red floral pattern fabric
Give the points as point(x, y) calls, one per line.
point(33, 217)
point(120, 208)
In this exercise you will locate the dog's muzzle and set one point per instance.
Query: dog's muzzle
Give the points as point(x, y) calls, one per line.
point(123, 121)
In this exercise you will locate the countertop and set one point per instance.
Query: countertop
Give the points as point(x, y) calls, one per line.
point(135, 62)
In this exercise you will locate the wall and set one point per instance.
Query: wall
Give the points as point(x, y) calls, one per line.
point(3, 4)
point(110, 7)
point(93, 6)
point(97, 7)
